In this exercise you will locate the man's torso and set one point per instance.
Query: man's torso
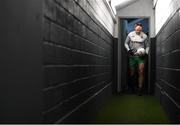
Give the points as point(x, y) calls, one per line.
point(137, 41)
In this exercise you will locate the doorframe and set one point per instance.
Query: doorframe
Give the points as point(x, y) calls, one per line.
point(119, 64)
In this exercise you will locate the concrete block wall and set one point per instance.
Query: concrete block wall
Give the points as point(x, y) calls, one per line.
point(161, 6)
point(168, 66)
point(21, 62)
point(77, 60)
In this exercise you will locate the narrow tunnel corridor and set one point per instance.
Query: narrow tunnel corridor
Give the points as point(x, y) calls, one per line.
point(64, 61)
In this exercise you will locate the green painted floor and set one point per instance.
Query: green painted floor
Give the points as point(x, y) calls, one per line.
point(129, 108)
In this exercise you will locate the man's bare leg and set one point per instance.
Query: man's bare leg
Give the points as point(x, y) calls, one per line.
point(131, 74)
point(141, 76)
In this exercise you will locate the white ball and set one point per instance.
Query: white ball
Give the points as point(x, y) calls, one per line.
point(141, 51)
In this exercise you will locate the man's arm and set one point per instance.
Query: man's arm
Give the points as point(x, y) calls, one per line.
point(126, 44)
point(147, 45)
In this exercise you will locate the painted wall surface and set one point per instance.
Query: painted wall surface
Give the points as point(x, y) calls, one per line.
point(163, 10)
point(77, 59)
point(102, 11)
point(167, 88)
point(21, 61)
point(56, 60)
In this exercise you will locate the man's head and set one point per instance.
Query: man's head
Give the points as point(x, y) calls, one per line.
point(138, 27)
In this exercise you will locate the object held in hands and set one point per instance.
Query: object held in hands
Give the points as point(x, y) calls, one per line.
point(131, 52)
point(140, 52)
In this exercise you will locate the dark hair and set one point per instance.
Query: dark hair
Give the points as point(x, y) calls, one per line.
point(138, 24)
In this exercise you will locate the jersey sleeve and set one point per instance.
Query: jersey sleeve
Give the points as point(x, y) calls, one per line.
point(126, 43)
point(147, 45)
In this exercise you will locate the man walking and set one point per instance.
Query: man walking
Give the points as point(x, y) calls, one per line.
point(135, 41)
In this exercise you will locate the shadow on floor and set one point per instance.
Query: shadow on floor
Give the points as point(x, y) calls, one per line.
point(129, 108)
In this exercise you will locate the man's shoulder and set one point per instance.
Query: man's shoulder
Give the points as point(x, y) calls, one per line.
point(131, 33)
point(144, 35)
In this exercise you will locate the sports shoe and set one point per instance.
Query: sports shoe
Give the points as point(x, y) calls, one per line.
point(139, 91)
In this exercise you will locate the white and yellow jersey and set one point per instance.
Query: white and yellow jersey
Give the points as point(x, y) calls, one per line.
point(135, 41)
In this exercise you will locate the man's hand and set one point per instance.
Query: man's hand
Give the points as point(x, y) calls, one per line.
point(130, 52)
point(136, 54)
point(140, 54)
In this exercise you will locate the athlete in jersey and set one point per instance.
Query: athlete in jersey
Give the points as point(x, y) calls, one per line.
point(135, 40)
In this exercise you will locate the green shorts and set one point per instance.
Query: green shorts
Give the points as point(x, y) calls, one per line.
point(134, 61)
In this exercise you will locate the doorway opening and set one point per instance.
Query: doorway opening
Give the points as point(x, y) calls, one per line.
point(125, 26)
